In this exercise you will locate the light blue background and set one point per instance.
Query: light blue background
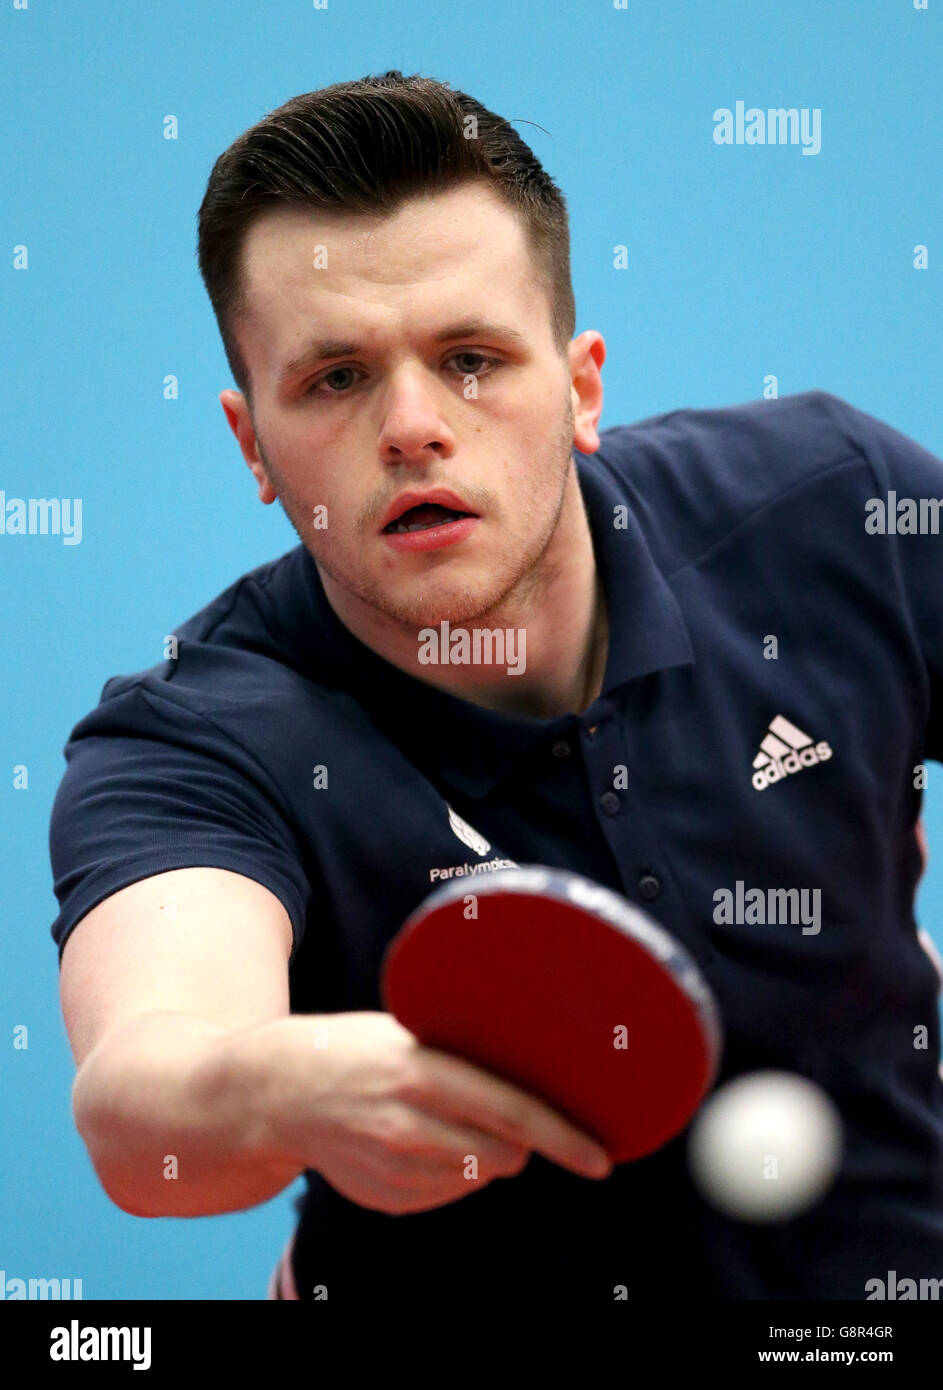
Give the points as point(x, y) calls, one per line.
point(743, 261)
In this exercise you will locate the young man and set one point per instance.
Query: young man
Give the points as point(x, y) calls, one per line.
point(713, 677)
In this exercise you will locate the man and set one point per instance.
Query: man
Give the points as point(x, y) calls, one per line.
point(710, 673)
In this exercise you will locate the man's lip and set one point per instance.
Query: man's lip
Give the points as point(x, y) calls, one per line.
point(432, 537)
point(437, 496)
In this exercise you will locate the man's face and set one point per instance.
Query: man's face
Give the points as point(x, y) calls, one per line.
point(435, 369)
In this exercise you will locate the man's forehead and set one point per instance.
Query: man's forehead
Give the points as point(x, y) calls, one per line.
point(435, 207)
point(465, 231)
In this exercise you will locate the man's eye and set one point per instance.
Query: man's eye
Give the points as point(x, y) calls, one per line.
point(492, 362)
point(475, 364)
point(335, 372)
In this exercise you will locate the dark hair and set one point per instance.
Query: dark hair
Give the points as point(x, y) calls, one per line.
point(367, 146)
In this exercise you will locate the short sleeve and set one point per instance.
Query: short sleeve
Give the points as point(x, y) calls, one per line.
point(904, 468)
point(150, 786)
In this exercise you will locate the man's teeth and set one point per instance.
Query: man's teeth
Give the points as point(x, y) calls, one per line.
point(402, 528)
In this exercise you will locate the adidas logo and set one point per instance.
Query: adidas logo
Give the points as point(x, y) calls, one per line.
point(785, 749)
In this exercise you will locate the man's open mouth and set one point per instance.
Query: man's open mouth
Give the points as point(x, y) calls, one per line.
point(422, 518)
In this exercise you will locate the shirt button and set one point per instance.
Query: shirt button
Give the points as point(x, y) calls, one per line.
point(649, 887)
point(561, 749)
point(610, 803)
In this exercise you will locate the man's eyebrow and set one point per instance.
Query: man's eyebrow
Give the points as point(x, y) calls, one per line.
point(323, 349)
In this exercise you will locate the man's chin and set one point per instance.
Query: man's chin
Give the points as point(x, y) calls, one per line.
point(411, 607)
point(456, 604)
point(457, 613)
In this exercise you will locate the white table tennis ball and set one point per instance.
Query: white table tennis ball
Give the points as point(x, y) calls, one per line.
point(766, 1146)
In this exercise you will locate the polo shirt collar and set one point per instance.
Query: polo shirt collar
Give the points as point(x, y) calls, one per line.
point(473, 749)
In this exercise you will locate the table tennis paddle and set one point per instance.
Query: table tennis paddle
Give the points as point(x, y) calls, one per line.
point(567, 990)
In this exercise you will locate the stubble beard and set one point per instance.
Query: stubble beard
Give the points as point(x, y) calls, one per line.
point(520, 589)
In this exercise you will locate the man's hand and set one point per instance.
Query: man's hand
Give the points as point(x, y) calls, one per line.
point(392, 1125)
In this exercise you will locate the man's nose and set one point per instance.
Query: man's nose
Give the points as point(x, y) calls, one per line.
point(414, 422)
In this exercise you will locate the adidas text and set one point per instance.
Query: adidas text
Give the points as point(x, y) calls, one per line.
point(795, 761)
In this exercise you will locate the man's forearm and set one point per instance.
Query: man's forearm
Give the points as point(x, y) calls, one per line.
point(171, 1109)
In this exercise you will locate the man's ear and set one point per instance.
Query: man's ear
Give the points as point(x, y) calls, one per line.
point(236, 409)
point(587, 354)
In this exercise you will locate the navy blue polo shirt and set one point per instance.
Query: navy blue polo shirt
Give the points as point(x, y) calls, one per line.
point(774, 683)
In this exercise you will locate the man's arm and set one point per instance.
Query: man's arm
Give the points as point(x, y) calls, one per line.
point(198, 1093)
point(155, 983)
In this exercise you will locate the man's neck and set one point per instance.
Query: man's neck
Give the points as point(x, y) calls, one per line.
point(561, 623)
